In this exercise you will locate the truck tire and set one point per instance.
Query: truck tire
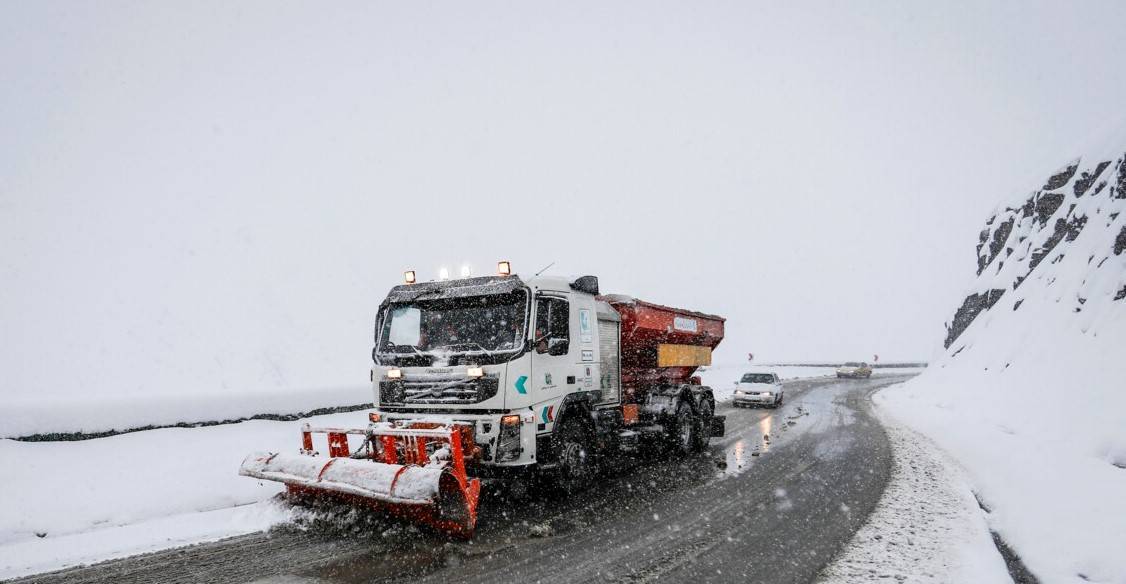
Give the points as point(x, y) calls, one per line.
point(683, 430)
point(574, 456)
point(703, 427)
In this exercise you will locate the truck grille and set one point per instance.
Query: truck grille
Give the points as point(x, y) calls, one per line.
point(437, 390)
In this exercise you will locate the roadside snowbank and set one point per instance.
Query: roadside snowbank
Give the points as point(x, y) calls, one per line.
point(34, 556)
point(117, 413)
point(1030, 395)
point(927, 526)
point(137, 492)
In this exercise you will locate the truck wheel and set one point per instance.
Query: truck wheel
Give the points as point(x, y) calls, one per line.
point(704, 427)
point(683, 431)
point(573, 453)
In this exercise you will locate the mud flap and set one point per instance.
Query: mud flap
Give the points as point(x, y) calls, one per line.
point(718, 426)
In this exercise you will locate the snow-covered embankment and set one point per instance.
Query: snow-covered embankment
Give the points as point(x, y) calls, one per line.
point(1029, 395)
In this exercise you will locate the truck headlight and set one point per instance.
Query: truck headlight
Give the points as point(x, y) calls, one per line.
point(508, 440)
point(394, 374)
point(475, 372)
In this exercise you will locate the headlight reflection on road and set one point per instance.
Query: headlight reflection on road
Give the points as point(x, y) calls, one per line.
point(736, 458)
point(765, 425)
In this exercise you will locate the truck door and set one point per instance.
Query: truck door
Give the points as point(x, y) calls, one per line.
point(552, 364)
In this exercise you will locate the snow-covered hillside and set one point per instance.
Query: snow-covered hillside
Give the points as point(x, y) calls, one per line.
point(1030, 392)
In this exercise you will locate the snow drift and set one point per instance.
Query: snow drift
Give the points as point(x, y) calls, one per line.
point(1030, 391)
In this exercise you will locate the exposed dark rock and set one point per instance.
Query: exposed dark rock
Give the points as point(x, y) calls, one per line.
point(1120, 189)
point(1087, 179)
point(1000, 236)
point(1074, 226)
point(1046, 205)
point(1018, 571)
point(1017, 304)
point(1121, 293)
point(1040, 253)
point(1059, 179)
point(1120, 241)
point(971, 307)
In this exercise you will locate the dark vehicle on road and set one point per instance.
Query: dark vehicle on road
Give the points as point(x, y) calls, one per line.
point(854, 370)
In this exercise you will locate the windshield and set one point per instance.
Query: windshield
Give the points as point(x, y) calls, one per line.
point(758, 378)
point(477, 324)
point(851, 364)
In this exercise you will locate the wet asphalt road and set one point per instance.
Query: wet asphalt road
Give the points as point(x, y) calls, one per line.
point(773, 501)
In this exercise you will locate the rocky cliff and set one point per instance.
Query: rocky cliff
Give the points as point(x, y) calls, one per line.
point(1033, 239)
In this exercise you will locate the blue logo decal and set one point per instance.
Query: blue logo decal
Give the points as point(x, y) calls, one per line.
point(520, 384)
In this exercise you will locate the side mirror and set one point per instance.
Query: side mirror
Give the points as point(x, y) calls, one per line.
point(556, 347)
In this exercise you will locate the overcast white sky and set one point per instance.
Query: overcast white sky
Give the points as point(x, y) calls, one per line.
point(216, 196)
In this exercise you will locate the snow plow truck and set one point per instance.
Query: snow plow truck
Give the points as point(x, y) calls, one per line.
point(501, 377)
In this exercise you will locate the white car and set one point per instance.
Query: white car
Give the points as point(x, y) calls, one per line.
point(758, 389)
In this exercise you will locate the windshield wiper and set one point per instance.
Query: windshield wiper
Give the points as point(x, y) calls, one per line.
point(478, 345)
point(391, 345)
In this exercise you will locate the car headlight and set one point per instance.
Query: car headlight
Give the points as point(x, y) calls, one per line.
point(739, 392)
point(766, 393)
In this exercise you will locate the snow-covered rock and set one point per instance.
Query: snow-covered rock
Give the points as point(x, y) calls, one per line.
point(1029, 393)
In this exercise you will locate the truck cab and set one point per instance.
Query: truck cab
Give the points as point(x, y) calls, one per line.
point(512, 357)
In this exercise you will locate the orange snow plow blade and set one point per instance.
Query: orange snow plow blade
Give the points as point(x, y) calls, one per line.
point(416, 472)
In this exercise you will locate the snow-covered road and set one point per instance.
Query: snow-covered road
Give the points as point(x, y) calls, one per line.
point(773, 501)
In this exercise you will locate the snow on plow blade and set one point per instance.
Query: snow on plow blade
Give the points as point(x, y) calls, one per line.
point(433, 492)
point(391, 483)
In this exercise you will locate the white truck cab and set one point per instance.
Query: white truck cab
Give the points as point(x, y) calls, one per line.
point(508, 355)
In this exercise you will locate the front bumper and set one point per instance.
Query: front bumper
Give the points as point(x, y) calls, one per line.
point(486, 433)
point(755, 399)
